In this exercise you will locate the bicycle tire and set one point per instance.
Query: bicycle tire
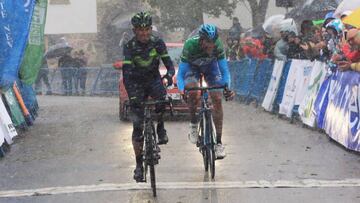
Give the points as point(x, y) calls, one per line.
point(150, 154)
point(152, 179)
point(211, 160)
point(203, 148)
point(210, 147)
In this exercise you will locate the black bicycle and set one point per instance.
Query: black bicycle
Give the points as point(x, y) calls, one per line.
point(151, 153)
point(206, 129)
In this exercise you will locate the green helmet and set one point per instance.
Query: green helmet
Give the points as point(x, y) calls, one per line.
point(142, 19)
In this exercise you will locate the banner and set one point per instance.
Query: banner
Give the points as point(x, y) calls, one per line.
point(7, 128)
point(298, 78)
point(273, 85)
point(15, 112)
point(306, 109)
point(34, 52)
point(341, 97)
point(15, 21)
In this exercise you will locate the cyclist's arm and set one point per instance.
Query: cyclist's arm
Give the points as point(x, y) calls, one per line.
point(127, 66)
point(225, 73)
point(222, 62)
point(161, 49)
point(180, 77)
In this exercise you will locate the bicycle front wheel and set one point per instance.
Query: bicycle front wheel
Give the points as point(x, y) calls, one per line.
point(152, 178)
point(150, 143)
point(211, 160)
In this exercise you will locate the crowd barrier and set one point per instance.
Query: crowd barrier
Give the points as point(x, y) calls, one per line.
point(295, 88)
point(102, 80)
point(303, 89)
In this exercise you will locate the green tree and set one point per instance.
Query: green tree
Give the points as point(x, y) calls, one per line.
point(188, 14)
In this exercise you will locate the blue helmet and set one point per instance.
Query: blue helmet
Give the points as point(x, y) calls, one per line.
point(329, 15)
point(208, 31)
point(336, 25)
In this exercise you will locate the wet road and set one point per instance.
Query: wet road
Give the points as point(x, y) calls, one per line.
point(78, 151)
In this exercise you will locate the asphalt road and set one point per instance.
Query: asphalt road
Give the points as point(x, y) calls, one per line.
point(79, 151)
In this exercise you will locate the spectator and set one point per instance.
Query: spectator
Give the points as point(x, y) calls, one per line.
point(236, 29)
point(66, 65)
point(282, 46)
point(80, 63)
point(269, 46)
point(295, 50)
point(353, 38)
point(253, 48)
point(43, 75)
point(233, 51)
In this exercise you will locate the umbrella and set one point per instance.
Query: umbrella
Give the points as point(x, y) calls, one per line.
point(288, 25)
point(125, 24)
point(272, 25)
point(353, 19)
point(58, 50)
point(346, 5)
point(312, 10)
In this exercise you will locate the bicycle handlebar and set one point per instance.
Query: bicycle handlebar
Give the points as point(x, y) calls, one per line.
point(167, 101)
point(205, 88)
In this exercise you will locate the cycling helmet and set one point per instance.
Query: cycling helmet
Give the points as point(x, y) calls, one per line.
point(208, 31)
point(142, 19)
point(336, 25)
point(329, 15)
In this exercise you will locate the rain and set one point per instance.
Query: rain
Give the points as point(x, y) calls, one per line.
point(179, 101)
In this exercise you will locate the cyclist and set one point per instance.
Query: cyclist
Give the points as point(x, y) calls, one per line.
point(204, 54)
point(142, 78)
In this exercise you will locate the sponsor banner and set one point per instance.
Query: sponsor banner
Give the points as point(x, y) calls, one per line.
point(15, 18)
point(34, 52)
point(306, 108)
point(273, 85)
point(341, 98)
point(7, 128)
point(294, 92)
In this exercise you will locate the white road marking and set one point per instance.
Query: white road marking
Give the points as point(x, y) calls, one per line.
point(306, 183)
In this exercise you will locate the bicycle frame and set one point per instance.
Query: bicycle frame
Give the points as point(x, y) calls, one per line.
point(206, 129)
point(151, 149)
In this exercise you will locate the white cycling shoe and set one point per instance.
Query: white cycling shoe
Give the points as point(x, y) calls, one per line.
point(220, 151)
point(193, 135)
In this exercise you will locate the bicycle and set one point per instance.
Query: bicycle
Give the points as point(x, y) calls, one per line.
point(151, 151)
point(206, 129)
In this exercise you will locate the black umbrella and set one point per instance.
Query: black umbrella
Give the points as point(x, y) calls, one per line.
point(312, 10)
point(58, 50)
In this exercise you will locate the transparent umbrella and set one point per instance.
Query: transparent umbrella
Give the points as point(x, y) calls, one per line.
point(347, 5)
point(272, 25)
point(288, 25)
point(58, 50)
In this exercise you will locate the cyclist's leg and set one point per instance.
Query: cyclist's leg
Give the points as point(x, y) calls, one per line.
point(136, 96)
point(158, 92)
point(213, 78)
point(192, 80)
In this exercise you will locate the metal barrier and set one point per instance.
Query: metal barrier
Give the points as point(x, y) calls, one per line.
point(102, 80)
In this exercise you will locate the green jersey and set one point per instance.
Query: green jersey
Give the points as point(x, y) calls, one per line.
point(194, 55)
